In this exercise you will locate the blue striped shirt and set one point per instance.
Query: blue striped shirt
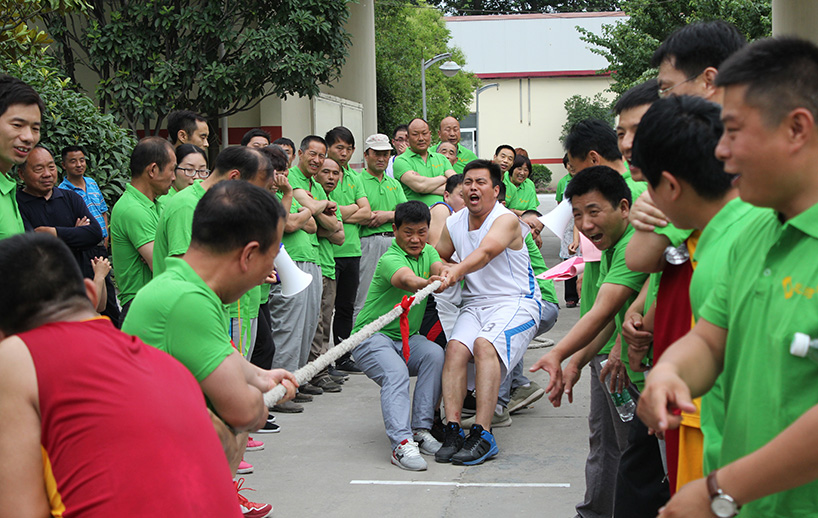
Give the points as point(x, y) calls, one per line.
point(92, 197)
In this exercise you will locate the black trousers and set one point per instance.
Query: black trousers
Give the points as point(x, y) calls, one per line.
point(346, 288)
point(265, 347)
point(641, 485)
point(571, 294)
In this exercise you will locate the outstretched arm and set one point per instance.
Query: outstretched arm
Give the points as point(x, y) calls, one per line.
point(504, 232)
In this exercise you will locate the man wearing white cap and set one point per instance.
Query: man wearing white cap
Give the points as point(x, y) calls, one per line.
point(383, 193)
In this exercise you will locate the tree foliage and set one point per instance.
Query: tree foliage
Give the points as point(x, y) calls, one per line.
point(483, 7)
point(17, 39)
point(406, 34)
point(580, 108)
point(216, 58)
point(629, 45)
point(71, 118)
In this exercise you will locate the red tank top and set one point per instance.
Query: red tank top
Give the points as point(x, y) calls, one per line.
point(125, 427)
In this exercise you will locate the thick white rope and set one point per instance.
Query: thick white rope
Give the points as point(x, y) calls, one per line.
point(308, 371)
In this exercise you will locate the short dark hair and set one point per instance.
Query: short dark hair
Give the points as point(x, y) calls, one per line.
point(339, 133)
point(232, 214)
point(565, 160)
point(402, 127)
point(781, 74)
point(592, 135)
point(679, 135)
point(309, 139)
point(639, 95)
point(284, 141)
point(72, 149)
point(15, 91)
point(42, 277)
point(531, 212)
point(182, 120)
point(277, 157)
point(699, 45)
point(255, 132)
point(494, 170)
point(522, 160)
point(501, 194)
point(150, 150)
point(237, 157)
point(412, 212)
point(602, 179)
point(504, 146)
point(186, 149)
point(453, 181)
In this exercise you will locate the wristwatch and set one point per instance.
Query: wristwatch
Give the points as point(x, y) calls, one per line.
point(721, 504)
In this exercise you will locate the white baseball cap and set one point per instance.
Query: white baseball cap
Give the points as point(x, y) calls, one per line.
point(378, 142)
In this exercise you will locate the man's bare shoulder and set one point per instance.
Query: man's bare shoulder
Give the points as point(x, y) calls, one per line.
point(17, 371)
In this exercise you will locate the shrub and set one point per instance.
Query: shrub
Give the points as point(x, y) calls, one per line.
point(541, 176)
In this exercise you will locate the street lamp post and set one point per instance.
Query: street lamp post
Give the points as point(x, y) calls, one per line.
point(449, 69)
point(477, 93)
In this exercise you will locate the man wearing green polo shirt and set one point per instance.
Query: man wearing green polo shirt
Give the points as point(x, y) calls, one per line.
point(422, 172)
point(769, 452)
point(384, 194)
point(407, 266)
point(236, 232)
point(601, 201)
point(20, 114)
point(327, 177)
point(449, 131)
point(136, 214)
point(504, 157)
point(355, 211)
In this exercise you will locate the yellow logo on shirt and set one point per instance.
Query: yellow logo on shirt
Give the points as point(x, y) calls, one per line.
point(791, 289)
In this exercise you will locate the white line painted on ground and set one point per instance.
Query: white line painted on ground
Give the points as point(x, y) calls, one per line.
point(452, 484)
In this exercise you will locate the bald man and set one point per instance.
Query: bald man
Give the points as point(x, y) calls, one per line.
point(449, 131)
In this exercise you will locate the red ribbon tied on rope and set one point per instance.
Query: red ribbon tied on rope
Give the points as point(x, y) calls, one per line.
point(404, 325)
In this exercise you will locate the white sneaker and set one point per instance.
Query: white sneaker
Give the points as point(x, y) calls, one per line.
point(406, 456)
point(426, 441)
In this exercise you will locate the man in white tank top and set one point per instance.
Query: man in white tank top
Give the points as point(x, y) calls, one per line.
point(500, 312)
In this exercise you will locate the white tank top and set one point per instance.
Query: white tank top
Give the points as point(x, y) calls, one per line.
point(508, 276)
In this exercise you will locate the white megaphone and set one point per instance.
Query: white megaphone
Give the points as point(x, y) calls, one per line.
point(293, 279)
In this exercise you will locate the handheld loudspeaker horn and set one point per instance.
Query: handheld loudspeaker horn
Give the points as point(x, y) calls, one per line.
point(293, 279)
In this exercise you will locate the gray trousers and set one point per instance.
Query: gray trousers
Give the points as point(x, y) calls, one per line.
point(320, 343)
point(381, 359)
point(608, 439)
point(548, 317)
point(372, 248)
point(294, 320)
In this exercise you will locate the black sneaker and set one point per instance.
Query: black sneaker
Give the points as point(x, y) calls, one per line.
point(438, 428)
point(346, 364)
point(452, 442)
point(478, 447)
point(310, 389)
point(269, 428)
point(335, 374)
point(469, 405)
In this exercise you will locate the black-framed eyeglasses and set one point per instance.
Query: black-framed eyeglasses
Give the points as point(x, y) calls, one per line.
point(194, 173)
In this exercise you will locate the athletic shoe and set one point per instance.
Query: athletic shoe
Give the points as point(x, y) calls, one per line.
point(309, 388)
point(438, 428)
point(478, 447)
point(251, 509)
point(302, 398)
point(497, 420)
point(521, 397)
point(335, 373)
point(469, 405)
point(269, 427)
point(347, 364)
point(244, 467)
point(326, 384)
point(452, 443)
point(271, 418)
point(406, 456)
point(426, 441)
point(288, 407)
point(253, 445)
point(338, 379)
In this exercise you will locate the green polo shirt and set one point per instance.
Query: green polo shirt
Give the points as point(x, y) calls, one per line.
point(326, 254)
point(175, 226)
point(434, 166)
point(590, 288)
point(549, 294)
point(178, 313)
point(349, 191)
point(637, 188)
point(561, 185)
point(383, 296)
point(11, 223)
point(710, 258)
point(299, 180)
point(464, 156)
point(133, 224)
point(300, 244)
point(523, 197)
point(383, 194)
point(613, 270)
point(769, 294)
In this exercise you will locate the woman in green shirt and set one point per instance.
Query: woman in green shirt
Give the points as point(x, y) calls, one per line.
point(521, 195)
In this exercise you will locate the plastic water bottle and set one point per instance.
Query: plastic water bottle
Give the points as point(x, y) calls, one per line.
point(804, 347)
point(622, 400)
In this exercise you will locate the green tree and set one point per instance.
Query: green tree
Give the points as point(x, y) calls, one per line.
point(406, 34)
point(580, 108)
point(629, 45)
point(216, 58)
point(17, 39)
point(483, 7)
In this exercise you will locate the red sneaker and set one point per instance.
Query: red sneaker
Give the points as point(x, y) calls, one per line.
point(244, 467)
point(253, 445)
point(251, 509)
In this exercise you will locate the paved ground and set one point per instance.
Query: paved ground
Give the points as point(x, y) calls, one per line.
point(333, 459)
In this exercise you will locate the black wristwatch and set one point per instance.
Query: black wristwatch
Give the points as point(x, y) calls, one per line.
point(722, 505)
